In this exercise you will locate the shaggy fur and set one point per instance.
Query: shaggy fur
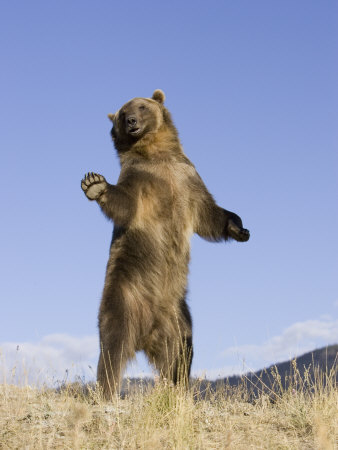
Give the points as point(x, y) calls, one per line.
point(157, 204)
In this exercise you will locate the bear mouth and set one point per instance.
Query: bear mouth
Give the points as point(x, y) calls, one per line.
point(134, 131)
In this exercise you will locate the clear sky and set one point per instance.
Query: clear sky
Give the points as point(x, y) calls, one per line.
point(252, 87)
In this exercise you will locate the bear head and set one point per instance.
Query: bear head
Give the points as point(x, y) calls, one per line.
point(139, 121)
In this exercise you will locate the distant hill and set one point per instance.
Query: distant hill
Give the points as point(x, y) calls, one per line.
point(300, 373)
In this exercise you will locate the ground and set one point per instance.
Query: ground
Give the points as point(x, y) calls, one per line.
point(166, 417)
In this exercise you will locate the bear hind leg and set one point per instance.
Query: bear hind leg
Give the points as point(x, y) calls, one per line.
point(183, 359)
point(173, 360)
point(112, 362)
point(117, 348)
point(172, 354)
point(181, 363)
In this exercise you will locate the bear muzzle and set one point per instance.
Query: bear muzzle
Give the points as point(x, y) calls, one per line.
point(132, 126)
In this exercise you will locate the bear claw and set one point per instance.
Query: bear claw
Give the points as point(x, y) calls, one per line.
point(93, 185)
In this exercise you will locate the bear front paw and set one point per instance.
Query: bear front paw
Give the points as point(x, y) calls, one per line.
point(243, 235)
point(93, 185)
point(238, 233)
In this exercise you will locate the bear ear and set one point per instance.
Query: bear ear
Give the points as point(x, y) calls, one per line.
point(158, 96)
point(111, 117)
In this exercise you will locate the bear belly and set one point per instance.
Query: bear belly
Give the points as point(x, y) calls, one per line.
point(150, 267)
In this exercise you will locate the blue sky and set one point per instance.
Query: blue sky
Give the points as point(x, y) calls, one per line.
point(252, 89)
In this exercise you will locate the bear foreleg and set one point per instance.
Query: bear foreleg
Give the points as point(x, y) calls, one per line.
point(116, 203)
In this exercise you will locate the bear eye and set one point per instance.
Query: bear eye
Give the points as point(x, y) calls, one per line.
point(142, 108)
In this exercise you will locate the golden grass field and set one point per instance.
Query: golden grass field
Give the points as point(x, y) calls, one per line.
point(304, 416)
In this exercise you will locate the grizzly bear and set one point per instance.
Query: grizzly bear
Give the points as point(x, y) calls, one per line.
point(157, 204)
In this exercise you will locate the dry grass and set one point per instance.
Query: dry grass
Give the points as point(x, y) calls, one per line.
point(163, 417)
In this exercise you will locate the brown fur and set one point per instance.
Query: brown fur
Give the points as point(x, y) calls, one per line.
point(157, 204)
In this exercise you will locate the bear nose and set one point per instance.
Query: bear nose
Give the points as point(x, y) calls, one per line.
point(131, 121)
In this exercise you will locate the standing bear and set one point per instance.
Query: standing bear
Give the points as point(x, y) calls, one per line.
point(157, 204)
